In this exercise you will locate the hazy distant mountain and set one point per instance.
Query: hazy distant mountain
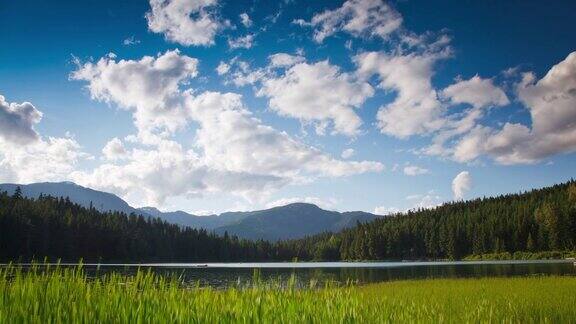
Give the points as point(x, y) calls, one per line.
point(285, 222)
point(185, 219)
point(102, 201)
point(292, 221)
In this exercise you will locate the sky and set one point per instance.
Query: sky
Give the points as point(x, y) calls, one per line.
point(209, 106)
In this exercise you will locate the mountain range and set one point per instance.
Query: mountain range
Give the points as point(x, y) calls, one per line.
point(292, 221)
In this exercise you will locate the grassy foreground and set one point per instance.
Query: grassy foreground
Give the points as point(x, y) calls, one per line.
point(68, 296)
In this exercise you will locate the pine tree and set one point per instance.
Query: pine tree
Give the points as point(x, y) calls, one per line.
point(17, 193)
point(530, 246)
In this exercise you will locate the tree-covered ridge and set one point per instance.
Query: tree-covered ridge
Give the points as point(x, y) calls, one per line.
point(55, 228)
point(539, 220)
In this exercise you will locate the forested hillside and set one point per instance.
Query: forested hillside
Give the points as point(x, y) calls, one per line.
point(58, 229)
point(292, 221)
point(539, 220)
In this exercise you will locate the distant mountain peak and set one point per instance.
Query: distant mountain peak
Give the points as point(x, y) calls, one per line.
point(293, 220)
point(68, 183)
point(86, 197)
point(301, 205)
point(149, 208)
point(297, 206)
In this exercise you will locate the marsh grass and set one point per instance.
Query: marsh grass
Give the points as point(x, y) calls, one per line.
point(68, 295)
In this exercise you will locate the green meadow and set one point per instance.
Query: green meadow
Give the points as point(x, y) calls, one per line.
point(71, 296)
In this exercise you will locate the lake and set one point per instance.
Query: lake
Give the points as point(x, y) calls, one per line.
point(221, 275)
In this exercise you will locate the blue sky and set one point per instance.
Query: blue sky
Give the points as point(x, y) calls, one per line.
point(208, 106)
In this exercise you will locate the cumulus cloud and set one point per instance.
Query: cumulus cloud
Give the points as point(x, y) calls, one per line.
point(232, 139)
point(51, 159)
point(17, 121)
point(222, 68)
point(550, 101)
point(477, 92)
point(318, 93)
point(428, 200)
point(232, 151)
point(114, 150)
point(386, 211)
point(245, 20)
point(461, 185)
point(355, 17)
point(347, 153)
point(241, 42)
point(245, 75)
point(285, 60)
point(235, 153)
point(416, 109)
point(150, 87)
point(413, 170)
point(149, 175)
point(25, 156)
point(424, 201)
point(187, 22)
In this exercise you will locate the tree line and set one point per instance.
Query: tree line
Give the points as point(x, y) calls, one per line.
point(56, 228)
point(535, 221)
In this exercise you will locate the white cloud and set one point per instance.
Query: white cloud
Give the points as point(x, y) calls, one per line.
point(17, 121)
point(114, 150)
point(429, 200)
point(285, 60)
point(51, 159)
point(245, 19)
point(241, 42)
point(347, 153)
point(187, 22)
point(232, 139)
point(386, 211)
point(27, 157)
point(550, 101)
point(236, 154)
point(461, 185)
point(426, 201)
point(348, 44)
point(245, 75)
point(328, 204)
point(456, 125)
point(477, 92)
point(416, 109)
point(222, 68)
point(413, 170)
point(150, 87)
point(130, 41)
point(233, 151)
point(318, 93)
point(147, 176)
point(356, 17)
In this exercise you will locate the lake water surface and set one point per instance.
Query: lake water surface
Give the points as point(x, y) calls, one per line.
point(229, 274)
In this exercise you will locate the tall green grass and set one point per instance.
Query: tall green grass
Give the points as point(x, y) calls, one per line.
point(70, 296)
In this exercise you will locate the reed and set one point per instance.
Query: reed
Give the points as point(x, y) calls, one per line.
point(64, 295)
